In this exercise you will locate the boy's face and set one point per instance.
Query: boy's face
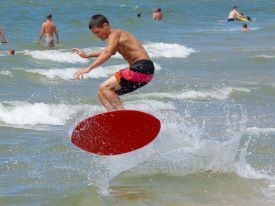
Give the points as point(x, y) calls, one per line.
point(101, 32)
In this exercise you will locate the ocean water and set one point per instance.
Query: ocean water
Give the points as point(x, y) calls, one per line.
point(214, 92)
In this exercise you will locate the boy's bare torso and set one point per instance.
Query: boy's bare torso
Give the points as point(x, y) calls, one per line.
point(128, 46)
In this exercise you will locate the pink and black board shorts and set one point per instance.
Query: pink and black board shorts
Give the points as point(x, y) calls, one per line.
point(138, 75)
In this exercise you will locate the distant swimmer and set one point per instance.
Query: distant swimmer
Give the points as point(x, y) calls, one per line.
point(157, 14)
point(9, 52)
point(234, 14)
point(139, 72)
point(49, 29)
point(4, 39)
point(245, 27)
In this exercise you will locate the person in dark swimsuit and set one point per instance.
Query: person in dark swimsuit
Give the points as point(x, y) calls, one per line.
point(139, 72)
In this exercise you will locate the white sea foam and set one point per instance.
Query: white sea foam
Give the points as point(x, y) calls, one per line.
point(231, 30)
point(166, 50)
point(155, 50)
point(226, 29)
point(67, 73)
point(220, 94)
point(257, 130)
point(25, 113)
point(223, 30)
point(55, 55)
point(245, 170)
point(6, 73)
point(264, 56)
point(150, 105)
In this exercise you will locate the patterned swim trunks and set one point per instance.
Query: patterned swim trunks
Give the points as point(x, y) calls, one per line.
point(138, 75)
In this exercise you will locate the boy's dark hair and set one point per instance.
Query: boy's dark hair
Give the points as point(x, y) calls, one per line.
point(235, 7)
point(244, 25)
point(98, 21)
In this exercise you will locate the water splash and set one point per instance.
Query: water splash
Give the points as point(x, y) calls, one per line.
point(193, 138)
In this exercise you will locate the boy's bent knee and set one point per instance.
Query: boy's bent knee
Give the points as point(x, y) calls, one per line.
point(103, 88)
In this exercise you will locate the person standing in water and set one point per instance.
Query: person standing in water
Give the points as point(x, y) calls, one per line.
point(4, 39)
point(49, 29)
point(139, 72)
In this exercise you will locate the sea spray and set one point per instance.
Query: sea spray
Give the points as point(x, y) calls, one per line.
point(184, 145)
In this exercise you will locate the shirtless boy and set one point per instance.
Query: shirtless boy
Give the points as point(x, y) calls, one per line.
point(140, 70)
point(49, 29)
point(233, 14)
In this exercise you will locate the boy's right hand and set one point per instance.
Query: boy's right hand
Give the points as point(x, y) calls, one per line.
point(79, 73)
point(79, 52)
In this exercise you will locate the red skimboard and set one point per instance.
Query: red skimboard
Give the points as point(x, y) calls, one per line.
point(116, 132)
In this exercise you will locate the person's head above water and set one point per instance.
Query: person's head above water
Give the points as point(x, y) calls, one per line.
point(157, 14)
point(11, 51)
